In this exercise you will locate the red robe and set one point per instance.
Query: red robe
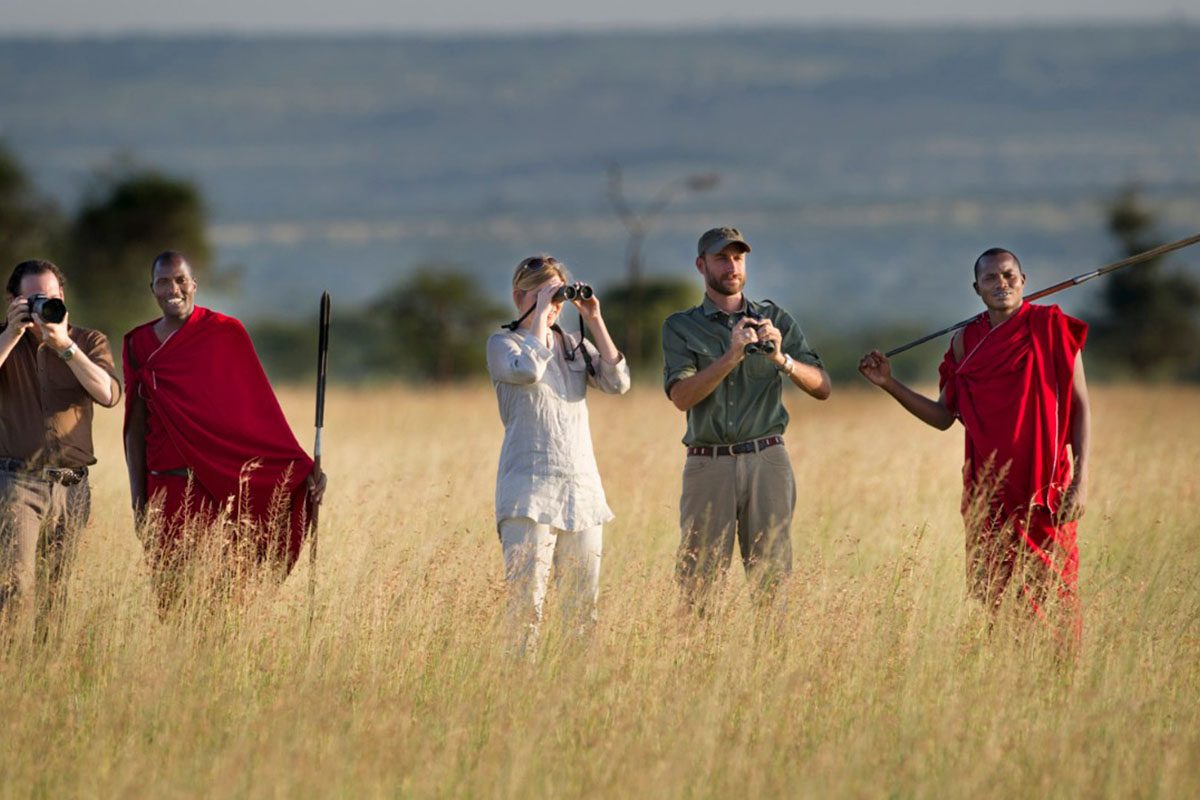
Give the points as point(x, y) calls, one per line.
point(210, 409)
point(1013, 393)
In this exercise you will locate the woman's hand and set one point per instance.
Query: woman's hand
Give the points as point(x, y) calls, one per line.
point(588, 309)
point(546, 304)
point(546, 309)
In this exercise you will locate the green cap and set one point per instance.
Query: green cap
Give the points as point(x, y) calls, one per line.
point(715, 240)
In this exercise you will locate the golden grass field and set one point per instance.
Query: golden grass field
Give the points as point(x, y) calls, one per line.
point(878, 679)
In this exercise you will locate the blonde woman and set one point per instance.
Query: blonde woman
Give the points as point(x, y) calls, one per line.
point(550, 506)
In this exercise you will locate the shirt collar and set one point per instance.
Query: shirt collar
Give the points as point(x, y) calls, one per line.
point(710, 310)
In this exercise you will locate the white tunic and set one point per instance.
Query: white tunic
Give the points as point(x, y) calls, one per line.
point(547, 467)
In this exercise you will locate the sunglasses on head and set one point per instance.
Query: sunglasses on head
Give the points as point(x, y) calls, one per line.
point(533, 265)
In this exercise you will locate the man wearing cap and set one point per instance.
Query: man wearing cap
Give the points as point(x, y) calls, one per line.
point(52, 373)
point(725, 364)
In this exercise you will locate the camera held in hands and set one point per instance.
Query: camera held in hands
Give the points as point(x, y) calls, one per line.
point(577, 291)
point(766, 348)
point(50, 309)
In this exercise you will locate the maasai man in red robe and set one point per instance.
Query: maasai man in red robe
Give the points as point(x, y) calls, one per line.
point(205, 436)
point(1014, 378)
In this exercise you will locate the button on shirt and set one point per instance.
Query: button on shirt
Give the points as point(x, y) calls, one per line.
point(746, 405)
point(547, 467)
point(45, 413)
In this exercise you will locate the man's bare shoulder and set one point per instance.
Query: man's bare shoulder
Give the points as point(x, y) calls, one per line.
point(957, 346)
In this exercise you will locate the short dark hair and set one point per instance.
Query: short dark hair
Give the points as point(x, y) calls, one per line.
point(169, 258)
point(991, 252)
point(34, 267)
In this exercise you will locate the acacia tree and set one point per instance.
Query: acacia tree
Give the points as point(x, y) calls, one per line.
point(129, 217)
point(1149, 327)
point(434, 325)
point(639, 309)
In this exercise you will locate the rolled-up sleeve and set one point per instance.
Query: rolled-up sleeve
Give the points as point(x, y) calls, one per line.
point(794, 343)
point(519, 359)
point(609, 378)
point(679, 361)
point(98, 350)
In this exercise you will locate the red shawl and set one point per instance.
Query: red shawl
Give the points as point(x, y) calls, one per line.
point(208, 391)
point(1013, 393)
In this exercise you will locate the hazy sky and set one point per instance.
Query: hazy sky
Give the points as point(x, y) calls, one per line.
point(107, 16)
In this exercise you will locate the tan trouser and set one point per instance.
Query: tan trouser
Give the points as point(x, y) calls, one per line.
point(751, 496)
point(39, 531)
point(530, 551)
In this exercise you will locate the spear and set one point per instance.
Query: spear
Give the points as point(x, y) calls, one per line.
point(314, 519)
point(1058, 287)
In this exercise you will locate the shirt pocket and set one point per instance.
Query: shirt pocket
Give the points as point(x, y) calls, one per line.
point(759, 367)
point(704, 353)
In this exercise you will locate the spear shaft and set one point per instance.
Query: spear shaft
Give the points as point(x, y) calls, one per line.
point(315, 518)
point(1058, 287)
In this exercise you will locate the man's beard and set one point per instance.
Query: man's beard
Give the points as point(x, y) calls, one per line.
point(717, 285)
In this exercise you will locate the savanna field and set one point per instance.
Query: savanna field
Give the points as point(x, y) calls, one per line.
point(874, 678)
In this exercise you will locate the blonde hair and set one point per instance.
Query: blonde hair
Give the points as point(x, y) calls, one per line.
point(527, 278)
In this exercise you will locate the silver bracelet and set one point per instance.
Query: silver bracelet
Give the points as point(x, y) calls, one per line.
point(789, 364)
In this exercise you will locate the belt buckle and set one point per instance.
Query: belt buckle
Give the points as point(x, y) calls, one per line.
point(743, 447)
point(64, 476)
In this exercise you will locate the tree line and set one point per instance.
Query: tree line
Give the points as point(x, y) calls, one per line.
point(431, 324)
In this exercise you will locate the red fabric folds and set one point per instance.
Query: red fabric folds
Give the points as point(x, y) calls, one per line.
point(1012, 392)
point(211, 406)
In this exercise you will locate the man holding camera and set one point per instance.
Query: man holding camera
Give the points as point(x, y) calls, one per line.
point(725, 364)
point(51, 374)
point(204, 435)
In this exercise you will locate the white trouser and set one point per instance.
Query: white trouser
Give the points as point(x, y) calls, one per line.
point(531, 549)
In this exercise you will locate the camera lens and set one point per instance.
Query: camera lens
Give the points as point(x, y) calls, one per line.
point(50, 309)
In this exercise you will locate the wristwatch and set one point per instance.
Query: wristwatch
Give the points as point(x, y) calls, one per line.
point(69, 353)
point(788, 365)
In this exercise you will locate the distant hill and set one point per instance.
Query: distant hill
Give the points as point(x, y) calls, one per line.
point(868, 167)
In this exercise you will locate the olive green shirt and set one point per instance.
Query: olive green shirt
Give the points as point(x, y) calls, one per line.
point(747, 404)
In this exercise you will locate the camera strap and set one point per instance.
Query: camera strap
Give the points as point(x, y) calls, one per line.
point(568, 351)
point(516, 323)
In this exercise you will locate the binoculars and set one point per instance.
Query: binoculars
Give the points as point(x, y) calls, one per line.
point(50, 309)
point(766, 348)
point(577, 291)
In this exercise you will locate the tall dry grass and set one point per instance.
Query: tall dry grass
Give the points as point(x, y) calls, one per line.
point(877, 678)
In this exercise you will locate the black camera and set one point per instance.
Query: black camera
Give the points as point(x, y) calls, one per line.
point(766, 348)
point(50, 309)
point(578, 291)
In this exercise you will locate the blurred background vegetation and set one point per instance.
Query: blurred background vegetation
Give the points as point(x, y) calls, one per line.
point(431, 324)
point(407, 174)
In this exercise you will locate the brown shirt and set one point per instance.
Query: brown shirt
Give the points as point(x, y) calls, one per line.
point(45, 414)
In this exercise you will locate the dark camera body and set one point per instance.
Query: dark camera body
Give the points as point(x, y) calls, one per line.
point(578, 291)
point(50, 309)
point(766, 348)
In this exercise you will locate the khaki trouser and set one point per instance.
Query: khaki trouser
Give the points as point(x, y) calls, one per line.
point(39, 531)
point(530, 551)
point(750, 496)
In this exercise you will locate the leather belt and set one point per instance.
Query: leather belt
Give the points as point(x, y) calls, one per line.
point(67, 476)
point(741, 448)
